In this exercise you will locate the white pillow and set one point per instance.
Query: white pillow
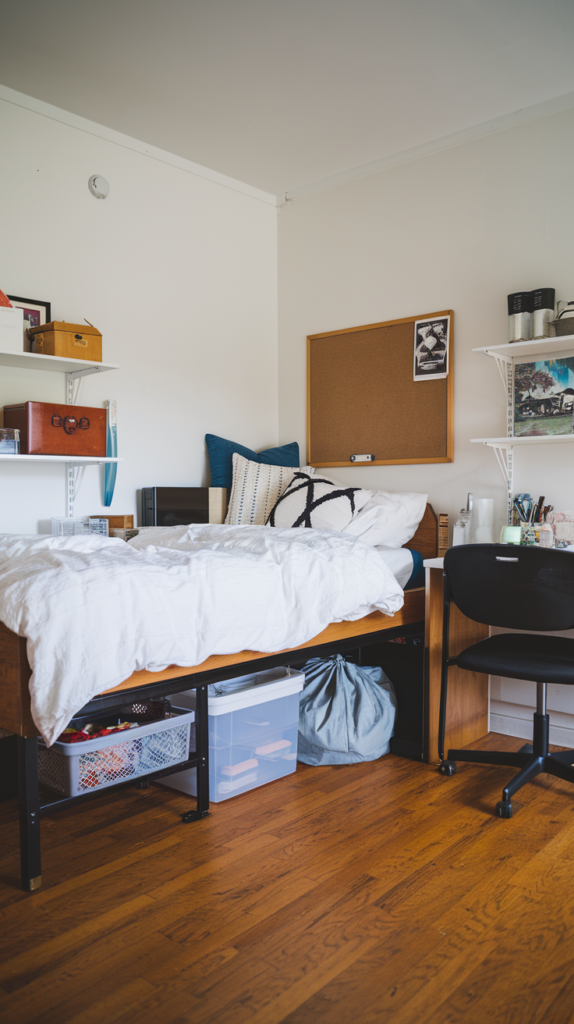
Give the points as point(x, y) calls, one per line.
point(316, 501)
point(388, 519)
point(254, 491)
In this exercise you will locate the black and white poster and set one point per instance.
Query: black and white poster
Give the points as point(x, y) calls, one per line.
point(431, 348)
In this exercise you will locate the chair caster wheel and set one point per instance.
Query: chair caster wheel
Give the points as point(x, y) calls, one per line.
point(447, 768)
point(504, 809)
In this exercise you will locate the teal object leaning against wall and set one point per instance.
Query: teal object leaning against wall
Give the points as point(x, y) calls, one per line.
point(111, 468)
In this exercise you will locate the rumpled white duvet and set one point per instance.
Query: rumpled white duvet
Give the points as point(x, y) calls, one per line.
point(94, 609)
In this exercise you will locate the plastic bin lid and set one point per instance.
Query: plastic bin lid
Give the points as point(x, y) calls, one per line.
point(247, 691)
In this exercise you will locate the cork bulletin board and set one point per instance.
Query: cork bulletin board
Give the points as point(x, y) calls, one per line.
point(362, 397)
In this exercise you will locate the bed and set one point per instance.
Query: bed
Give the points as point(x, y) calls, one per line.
point(15, 708)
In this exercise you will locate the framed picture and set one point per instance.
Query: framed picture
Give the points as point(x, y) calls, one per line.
point(35, 312)
point(431, 343)
point(544, 397)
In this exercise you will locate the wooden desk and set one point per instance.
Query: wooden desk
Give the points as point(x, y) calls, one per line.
point(467, 706)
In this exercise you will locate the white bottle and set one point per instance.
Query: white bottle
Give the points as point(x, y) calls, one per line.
point(461, 529)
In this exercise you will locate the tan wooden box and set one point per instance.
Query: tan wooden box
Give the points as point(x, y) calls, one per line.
point(72, 341)
point(117, 522)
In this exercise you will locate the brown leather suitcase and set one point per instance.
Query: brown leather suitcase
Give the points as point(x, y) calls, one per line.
point(47, 429)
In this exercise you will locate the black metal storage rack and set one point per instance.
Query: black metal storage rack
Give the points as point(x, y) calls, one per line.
point(31, 810)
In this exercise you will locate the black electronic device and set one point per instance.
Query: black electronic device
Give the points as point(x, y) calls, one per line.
point(174, 506)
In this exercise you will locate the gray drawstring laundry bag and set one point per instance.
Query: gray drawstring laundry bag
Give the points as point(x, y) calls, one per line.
point(346, 712)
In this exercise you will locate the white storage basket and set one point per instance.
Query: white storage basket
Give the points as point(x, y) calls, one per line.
point(76, 768)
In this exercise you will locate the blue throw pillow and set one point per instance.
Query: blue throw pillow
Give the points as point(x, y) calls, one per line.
point(221, 454)
point(417, 577)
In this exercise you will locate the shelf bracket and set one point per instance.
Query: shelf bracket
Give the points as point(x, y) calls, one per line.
point(505, 458)
point(70, 489)
point(505, 455)
point(73, 473)
point(504, 365)
point(73, 385)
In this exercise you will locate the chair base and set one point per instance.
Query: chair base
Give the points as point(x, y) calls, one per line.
point(532, 759)
point(531, 765)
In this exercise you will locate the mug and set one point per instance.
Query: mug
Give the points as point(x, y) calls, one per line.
point(510, 535)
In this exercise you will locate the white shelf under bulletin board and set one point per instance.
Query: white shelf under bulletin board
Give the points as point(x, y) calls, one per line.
point(75, 370)
point(505, 357)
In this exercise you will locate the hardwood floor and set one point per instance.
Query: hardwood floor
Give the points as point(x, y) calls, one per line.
point(371, 893)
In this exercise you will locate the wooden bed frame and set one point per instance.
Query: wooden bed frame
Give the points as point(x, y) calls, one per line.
point(468, 719)
point(15, 672)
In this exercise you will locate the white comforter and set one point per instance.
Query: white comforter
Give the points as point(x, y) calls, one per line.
point(94, 610)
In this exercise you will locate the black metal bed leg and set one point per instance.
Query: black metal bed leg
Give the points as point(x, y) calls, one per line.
point(29, 806)
point(202, 750)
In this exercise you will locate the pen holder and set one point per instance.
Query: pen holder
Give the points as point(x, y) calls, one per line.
point(537, 535)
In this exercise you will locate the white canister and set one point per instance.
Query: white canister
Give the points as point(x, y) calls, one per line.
point(519, 316)
point(483, 520)
point(543, 313)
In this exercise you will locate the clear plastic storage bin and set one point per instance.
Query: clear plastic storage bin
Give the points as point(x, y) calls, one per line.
point(76, 768)
point(253, 728)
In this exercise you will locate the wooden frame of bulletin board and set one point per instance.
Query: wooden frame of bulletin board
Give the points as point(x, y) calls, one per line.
point(362, 398)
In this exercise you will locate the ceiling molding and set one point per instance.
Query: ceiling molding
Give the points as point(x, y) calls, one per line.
point(477, 131)
point(20, 99)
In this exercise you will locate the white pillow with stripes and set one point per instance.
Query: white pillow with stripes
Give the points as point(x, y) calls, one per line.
point(254, 491)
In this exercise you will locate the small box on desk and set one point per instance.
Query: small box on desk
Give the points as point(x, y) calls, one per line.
point(47, 429)
point(182, 506)
point(116, 522)
point(72, 341)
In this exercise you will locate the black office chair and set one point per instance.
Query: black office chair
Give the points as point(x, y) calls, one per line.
point(514, 588)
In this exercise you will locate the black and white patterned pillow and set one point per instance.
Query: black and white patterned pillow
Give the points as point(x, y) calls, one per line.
point(316, 501)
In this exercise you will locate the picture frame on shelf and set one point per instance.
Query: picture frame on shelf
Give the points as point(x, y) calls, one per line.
point(544, 397)
point(35, 312)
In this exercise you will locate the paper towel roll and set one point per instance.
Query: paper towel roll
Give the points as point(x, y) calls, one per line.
point(483, 518)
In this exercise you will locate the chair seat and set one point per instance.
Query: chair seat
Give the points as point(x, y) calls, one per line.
point(543, 659)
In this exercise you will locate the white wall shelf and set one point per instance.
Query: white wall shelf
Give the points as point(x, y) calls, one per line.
point(75, 370)
point(70, 460)
point(518, 349)
point(506, 357)
point(510, 442)
point(56, 364)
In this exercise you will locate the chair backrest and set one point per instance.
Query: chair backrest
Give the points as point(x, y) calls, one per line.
point(513, 587)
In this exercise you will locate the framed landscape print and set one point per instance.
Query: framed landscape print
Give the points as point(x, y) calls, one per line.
point(544, 397)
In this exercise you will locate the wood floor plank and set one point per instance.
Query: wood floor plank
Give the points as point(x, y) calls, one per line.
point(342, 894)
point(415, 970)
point(67, 985)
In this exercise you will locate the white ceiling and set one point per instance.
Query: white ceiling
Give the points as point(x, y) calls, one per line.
point(280, 93)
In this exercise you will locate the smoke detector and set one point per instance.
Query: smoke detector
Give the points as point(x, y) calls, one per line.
point(98, 186)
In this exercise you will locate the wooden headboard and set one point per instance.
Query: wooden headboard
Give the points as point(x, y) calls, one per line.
point(431, 538)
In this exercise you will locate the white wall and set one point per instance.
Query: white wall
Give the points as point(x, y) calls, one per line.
point(459, 229)
point(178, 272)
